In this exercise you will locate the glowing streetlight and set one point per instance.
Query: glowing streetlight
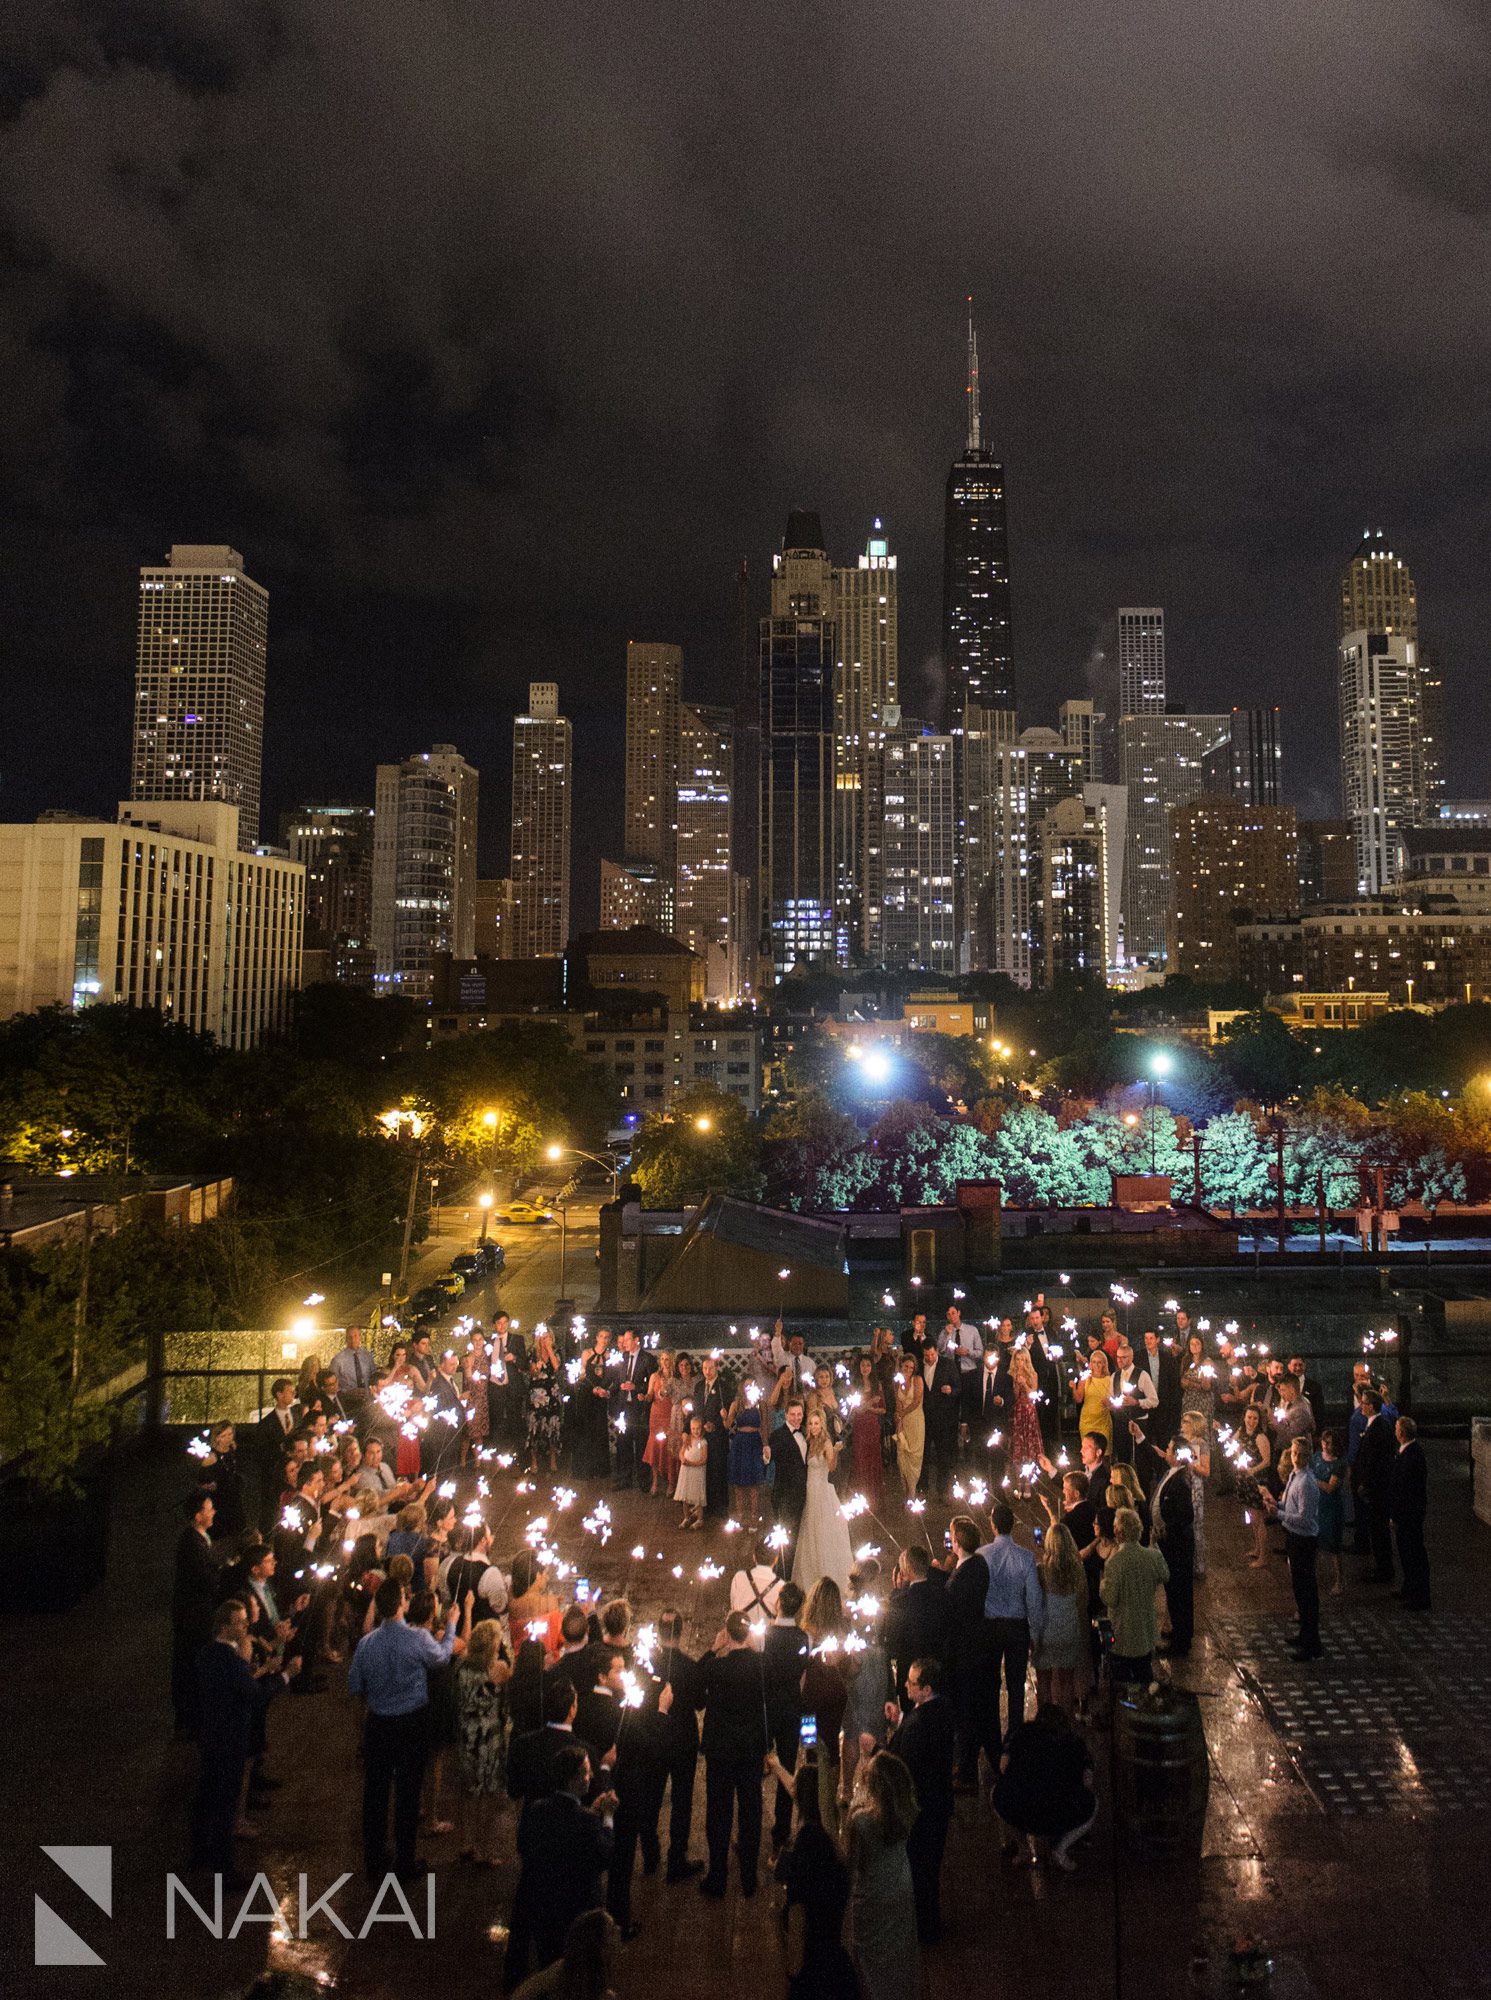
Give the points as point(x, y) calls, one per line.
point(1160, 1065)
point(875, 1066)
point(553, 1152)
point(703, 1123)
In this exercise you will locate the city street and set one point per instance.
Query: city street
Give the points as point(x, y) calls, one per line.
point(530, 1280)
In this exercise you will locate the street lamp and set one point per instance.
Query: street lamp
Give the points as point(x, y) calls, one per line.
point(484, 1203)
point(703, 1123)
point(1160, 1065)
point(394, 1122)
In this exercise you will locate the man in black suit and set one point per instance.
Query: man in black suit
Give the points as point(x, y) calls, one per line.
point(925, 1739)
point(630, 1397)
point(711, 1400)
point(1166, 1478)
point(1372, 1481)
point(1408, 1503)
point(507, 1381)
point(598, 1709)
point(565, 1847)
point(230, 1703)
point(942, 1414)
point(784, 1654)
point(916, 1621)
point(789, 1479)
point(1049, 1379)
point(194, 1596)
point(531, 1761)
point(678, 1743)
point(915, 1340)
point(734, 1744)
point(967, 1660)
point(271, 1439)
point(219, 1477)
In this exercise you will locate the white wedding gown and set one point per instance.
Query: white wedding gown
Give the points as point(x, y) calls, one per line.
point(823, 1546)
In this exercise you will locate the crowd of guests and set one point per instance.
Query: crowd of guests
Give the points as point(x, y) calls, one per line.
point(861, 1701)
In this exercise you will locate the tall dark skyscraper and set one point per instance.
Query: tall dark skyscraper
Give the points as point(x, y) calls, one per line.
point(976, 571)
point(799, 645)
point(975, 648)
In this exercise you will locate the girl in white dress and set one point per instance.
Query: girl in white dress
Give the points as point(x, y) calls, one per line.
point(823, 1546)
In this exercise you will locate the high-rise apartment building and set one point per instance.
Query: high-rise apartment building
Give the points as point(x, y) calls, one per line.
point(654, 681)
point(987, 733)
point(798, 878)
point(916, 926)
point(1244, 761)
point(634, 892)
point(540, 871)
point(1377, 592)
point(160, 909)
point(1081, 727)
point(1230, 863)
point(199, 683)
point(334, 844)
point(1160, 763)
point(1327, 862)
point(424, 868)
point(1075, 905)
point(1034, 774)
point(704, 884)
point(1108, 808)
point(1382, 763)
point(866, 683)
point(1139, 659)
point(494, 917)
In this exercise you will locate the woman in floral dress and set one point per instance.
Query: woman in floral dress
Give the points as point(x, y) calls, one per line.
point(545, 1404)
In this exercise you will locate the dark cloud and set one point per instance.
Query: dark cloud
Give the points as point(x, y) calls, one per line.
point(497, 336)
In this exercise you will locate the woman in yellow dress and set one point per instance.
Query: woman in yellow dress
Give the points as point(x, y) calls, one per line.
point(1090, 1393)
point(911, 1424)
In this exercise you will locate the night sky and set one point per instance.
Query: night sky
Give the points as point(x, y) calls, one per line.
point(495, 335)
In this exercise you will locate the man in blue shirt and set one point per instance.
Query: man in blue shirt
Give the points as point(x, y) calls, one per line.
point(1299, 1516)
point(390, 1670)
point(1015, 1609)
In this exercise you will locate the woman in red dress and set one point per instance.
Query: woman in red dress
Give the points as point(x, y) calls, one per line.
point(866, 1408)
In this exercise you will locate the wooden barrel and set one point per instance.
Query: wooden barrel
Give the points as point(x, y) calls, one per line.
point(1162, 1771)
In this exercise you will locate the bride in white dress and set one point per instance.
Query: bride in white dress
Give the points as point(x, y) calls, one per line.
point(823, 1546)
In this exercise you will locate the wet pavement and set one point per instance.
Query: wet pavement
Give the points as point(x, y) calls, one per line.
point(1345, 1828)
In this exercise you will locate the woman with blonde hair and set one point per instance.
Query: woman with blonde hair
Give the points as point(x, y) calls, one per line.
point(1090, 1393)
point(663, 1395)
point(1026, 1447)
point(911, 1424)
point(882, 1905)
point(1195, 1438)
point(823, 1545)
point(481, 1727)
point(1063, 1653)
point(545, 1403)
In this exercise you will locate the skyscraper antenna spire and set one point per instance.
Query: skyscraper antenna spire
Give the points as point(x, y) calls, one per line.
point(973, 410)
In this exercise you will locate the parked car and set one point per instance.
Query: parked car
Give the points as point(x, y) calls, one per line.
point(493, 1256)
point(467, 1263)
point(427, 1303)
point(524, 1211)
point(452, 1284)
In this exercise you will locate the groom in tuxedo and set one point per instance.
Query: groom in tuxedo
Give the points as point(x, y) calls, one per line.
point(789, 1475)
